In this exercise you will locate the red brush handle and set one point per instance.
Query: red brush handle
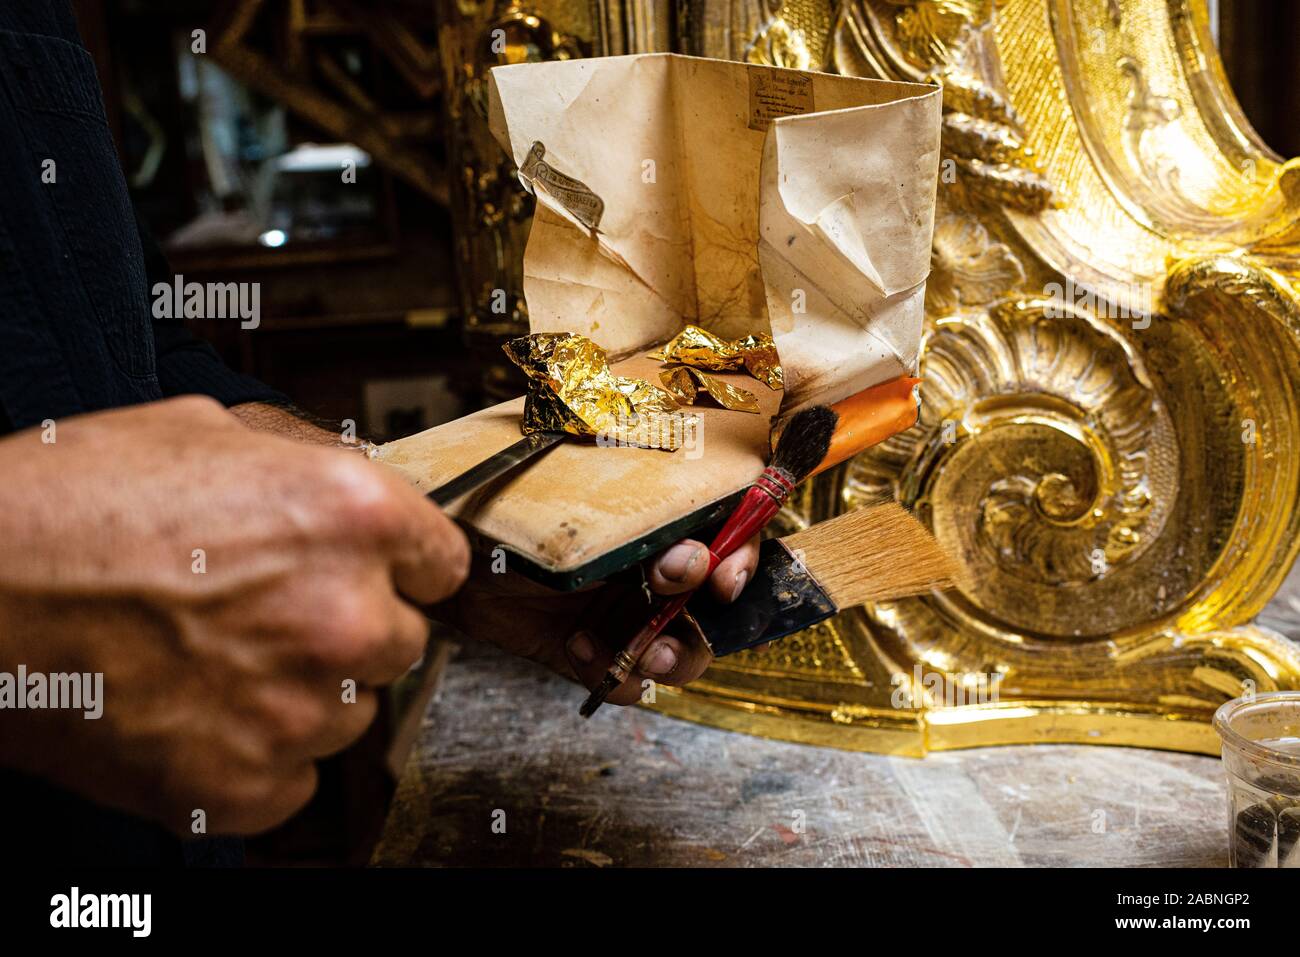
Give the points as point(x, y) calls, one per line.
point(763, 500)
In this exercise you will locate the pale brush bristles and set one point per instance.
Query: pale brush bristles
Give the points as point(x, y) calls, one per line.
point(876, 553)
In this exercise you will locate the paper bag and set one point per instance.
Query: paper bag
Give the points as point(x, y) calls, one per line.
point(740, 198)
point(674, 190)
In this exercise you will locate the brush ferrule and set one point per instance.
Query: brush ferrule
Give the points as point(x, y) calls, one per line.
point(623, 665)
point(776, 483)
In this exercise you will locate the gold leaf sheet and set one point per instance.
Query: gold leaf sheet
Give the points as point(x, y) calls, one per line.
point(701, 349)
point(684, 383)
point(571, 389)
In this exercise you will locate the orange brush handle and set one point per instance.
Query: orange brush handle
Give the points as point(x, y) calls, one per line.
point(870, 417)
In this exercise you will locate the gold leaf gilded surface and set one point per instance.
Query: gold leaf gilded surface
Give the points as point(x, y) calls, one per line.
point(1108, 435)
point(779, 44)
point(701, 349)
point(685, 385)
point(790, 33)
point(968, 267)
point(931, 30)
point(1092, 463)
point(571, 389)
point(817, 652)
point(985, 142)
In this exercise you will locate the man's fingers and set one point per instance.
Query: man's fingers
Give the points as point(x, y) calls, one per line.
point(432, 570)
point(680, 655)
point(370, 503)
point(405, 641)
point(314, 717)
point(735, 572)
point(681, 568)
point(671, 659)
point(348, 719)
point(590, 659)
point(275, 800)
point(185, 411)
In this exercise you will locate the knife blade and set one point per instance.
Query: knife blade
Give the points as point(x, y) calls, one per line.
point(494, 466)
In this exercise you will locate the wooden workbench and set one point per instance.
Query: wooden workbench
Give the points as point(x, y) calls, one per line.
point(632, 787)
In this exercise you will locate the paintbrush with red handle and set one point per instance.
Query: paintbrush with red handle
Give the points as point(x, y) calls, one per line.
point(803, 446)
point(812, 441)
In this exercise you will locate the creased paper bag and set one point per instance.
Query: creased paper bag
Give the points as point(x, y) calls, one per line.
point(671, 191)
point(741, 198)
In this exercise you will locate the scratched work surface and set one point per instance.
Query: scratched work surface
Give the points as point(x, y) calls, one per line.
point(632, 787)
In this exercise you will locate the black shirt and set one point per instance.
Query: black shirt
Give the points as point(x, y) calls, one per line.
point(76, 326)
point(77, 335)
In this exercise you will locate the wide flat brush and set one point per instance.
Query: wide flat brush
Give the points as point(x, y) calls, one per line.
point(872, 554)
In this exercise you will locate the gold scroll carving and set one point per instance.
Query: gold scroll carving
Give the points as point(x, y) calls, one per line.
point(1109, 435)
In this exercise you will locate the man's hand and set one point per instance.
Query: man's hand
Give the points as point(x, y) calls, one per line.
point(578, 633)
point(232, 587)
point(575, 634)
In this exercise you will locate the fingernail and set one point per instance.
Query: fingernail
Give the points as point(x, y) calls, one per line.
point(740, 585)
point(582, 648)
point(659, 660)
point(678, 561)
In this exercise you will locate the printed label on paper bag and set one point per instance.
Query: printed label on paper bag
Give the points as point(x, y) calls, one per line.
point(777, 93)
point(573, 194)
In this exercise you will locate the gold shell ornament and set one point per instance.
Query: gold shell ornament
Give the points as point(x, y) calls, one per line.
point(1107, 432)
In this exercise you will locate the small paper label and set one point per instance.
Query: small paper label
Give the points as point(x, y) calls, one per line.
point(574, 195)
point(777, 93)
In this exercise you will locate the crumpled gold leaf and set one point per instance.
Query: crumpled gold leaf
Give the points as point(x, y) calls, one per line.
point(571, 389)
point(680, 384)
point(685, 383)
point(701, 349)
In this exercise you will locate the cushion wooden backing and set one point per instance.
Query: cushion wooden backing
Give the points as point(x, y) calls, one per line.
point(581, 502)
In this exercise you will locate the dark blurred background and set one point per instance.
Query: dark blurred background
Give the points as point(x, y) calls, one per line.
point(1259, 41)
point(323, 179)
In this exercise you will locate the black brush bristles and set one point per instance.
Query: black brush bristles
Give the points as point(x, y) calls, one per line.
point(804, 442)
